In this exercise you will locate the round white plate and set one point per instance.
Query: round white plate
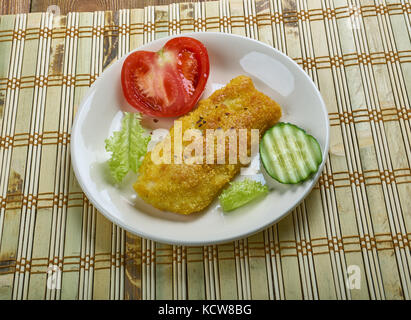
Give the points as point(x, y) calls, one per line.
point(101, 111)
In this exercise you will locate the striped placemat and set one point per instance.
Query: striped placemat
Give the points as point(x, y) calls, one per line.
point(350, 238)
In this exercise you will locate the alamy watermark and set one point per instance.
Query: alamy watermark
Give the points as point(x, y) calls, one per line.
point(209, 146)
point(54, 277)
point(54, 9)
point(353, 280)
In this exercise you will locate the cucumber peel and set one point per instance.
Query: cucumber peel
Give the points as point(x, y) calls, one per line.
point(289, 154)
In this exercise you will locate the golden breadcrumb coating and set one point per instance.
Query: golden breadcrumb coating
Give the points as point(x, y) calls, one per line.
point(187, 188)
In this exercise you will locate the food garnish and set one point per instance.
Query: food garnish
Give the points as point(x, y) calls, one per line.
point(289, 154)
point(240, 193)
point(169, 82)
point(128, 146)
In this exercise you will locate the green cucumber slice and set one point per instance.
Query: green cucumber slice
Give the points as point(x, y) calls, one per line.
point(240, 193)
point(289, 154)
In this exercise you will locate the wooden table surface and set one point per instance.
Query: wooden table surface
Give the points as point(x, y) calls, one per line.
point(25, 6)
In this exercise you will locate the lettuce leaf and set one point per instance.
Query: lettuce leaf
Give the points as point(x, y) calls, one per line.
point(240, 193)
point(128, 146)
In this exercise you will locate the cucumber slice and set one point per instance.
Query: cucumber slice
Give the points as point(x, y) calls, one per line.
point(240, 193)
point(289, 154)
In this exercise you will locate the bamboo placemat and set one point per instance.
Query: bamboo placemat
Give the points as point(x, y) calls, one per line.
point(348, 240)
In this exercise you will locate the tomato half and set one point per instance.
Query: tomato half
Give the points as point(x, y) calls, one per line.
point(169, 82)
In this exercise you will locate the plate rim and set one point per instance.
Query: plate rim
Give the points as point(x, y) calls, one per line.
point(166, 240)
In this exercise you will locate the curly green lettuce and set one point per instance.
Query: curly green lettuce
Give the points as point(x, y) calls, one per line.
point(240, 193)
point(128, 146)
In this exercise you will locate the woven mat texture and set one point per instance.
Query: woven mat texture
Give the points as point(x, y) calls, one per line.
point(349, 239)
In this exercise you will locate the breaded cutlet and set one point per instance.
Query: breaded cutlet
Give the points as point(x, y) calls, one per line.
point(187, 188)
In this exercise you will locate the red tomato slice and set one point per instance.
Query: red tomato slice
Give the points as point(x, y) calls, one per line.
point(167, 83)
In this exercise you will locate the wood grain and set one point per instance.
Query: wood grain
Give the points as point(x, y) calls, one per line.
point(95, 5)
point(14, 6)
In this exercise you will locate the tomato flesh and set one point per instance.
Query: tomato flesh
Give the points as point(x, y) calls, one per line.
point(167, 83)
point(188, 67)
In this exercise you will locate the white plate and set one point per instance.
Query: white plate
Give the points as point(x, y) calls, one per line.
point(101, 111)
